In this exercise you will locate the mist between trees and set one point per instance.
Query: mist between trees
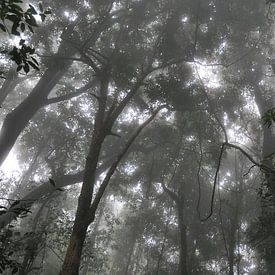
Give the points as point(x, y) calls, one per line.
point(144, 136)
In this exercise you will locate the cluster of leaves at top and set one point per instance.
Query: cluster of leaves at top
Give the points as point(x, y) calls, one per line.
point(10, 10)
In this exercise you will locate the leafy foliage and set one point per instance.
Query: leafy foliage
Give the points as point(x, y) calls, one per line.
point(11, 12)
point(7, 250)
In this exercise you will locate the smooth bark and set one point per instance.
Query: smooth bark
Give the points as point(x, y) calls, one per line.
point(11, 81)
point(18, 119)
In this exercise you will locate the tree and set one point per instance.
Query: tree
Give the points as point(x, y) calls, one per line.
point(126, 88)
point(21, 20)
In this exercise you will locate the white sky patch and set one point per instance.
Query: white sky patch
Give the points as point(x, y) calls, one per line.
point(130, 168)
point(131, 115)
point(208, 74)
point(10, 165)
point(159, 188)
point(137, 188)
point(70, 15)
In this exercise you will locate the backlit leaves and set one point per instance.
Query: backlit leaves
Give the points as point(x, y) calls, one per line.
point(11, 12)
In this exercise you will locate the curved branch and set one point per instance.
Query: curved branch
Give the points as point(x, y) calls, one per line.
point(264, 168)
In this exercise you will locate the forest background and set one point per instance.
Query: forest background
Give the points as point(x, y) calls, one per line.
point(142, 136)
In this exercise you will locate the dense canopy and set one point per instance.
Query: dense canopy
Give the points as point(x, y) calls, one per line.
point(137, 137)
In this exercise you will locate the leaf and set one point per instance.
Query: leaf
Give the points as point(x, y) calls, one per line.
point(40, 6)
point(23, 27)
point(22, 42)
point(43, 16)
point(30, 28)
point(32, 50)
point(16, 9)
point(3, 28)
point(13, 18)
point(34, 60)
point(52, 182)
point(26, 68)
point(33, 65)
point(30, 20)
point(15, 270)
point(19, 68)
point(14, 29)
point(32, 9)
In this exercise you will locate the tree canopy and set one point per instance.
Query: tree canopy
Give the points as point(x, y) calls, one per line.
point(142, 142)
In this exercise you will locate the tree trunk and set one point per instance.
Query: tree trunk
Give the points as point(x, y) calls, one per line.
point(11, 81)
point(73, 256)
point(92, 241)
point(84, 217)
point(46, 189)
point(162, 248)
point(18, 119)
point(183, 243)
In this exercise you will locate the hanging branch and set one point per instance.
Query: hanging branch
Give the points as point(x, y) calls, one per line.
point(263, 167)
point(199, 182)
point(215, 183)
point(211, 107)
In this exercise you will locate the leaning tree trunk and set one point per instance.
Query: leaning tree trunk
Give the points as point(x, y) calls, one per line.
point(16, 121)
point(11, 81)
point(45, 190)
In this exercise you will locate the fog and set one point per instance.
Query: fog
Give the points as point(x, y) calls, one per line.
point(137, 137)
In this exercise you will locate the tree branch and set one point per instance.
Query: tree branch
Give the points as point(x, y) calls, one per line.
point(264, 168)
point(78, 92)
point(113, 167)
point(171, 194)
